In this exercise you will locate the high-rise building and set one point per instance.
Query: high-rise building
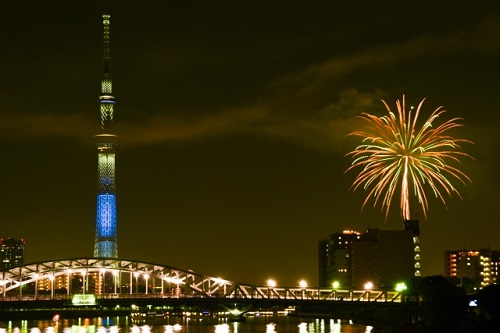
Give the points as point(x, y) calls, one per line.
point(351, 258)
point(335, 256)
point(396, 257)
point(11, 252)
point(106, 228)
point(480, 266)
point(495, 266)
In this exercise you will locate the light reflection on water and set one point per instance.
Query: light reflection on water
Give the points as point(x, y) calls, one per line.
point(270, 328)
point(172, 328)
point(222, 328)
point(262, 324)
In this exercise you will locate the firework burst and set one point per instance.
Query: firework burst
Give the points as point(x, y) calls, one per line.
point(396, 155)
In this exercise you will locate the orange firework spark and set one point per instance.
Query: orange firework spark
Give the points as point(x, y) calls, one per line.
point(396, 154)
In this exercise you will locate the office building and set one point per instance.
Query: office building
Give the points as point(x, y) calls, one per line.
point(11, 252)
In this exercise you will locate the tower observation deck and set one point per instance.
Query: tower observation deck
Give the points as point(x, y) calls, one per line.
point(105, 245)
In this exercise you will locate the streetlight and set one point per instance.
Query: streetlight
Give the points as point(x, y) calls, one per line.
point(68, 272)
point(162, 279)
point(36, 284)
point(303, 285)
point(335, 286)
point(368, 286)
point(103, 287)
point(136, 274)
point(51, 278)
point(131, 284)
point(271, 283)
point(84, 276)
point(400, 287)
point(115, 274)
point(146, 277)
point(84, 279)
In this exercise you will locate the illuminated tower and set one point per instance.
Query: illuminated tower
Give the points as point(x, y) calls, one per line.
point(105, 232)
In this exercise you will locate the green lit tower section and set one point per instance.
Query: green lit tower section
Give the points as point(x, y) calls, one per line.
point(105, 233)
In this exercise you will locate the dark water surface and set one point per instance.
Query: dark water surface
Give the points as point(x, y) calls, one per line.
point(257, 324)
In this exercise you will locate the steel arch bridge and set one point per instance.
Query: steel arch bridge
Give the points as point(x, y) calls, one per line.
point(122, 278)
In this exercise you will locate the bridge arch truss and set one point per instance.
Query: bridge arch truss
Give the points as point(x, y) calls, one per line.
point(115, 278)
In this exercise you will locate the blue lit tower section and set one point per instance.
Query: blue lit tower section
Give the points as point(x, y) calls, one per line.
point(105, 233)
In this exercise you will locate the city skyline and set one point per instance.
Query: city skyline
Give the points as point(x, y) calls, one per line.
point(233, 123)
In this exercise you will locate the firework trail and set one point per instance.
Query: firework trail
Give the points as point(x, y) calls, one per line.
point(395, 155)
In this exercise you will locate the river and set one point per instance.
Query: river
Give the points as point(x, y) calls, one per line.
point(253, 324)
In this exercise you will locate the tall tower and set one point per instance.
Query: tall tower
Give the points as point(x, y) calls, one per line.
point(105, 232)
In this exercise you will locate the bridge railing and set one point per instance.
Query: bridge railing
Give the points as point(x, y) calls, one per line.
point(244, 291)
point(276, 294)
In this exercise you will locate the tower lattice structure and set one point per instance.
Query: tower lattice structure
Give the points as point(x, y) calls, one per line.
point(105, 245)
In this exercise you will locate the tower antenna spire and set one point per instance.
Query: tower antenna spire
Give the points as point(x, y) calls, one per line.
point(106, 99)
point(105, 245)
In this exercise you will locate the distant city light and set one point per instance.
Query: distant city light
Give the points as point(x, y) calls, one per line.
point(351, 232)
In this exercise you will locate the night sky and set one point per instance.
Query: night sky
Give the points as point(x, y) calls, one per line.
point(232, 117)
